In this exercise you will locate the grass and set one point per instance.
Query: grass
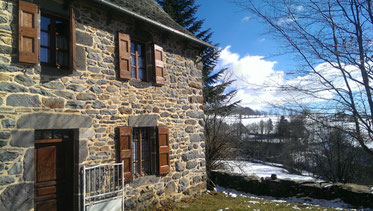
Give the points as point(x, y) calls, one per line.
point(219, 201)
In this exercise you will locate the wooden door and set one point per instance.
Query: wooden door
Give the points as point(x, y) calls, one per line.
point(53, 174)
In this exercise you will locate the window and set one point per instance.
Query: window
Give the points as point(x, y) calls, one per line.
point(144, 151)
point(138, 68)
point(132, 62)
point(54, 34)
point(57, 37)
point(53, 134)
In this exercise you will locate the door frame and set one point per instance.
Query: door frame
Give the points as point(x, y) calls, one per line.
point(70, 143)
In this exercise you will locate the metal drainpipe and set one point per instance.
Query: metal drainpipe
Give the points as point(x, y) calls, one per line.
point(116, 7)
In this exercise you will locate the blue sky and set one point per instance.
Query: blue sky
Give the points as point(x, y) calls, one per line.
point(249, 54)
point(247, 51)
point(260, 76)
point(232, 26)
point(254, 57)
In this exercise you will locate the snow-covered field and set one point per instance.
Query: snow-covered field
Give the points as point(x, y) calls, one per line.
point(253, 119)
point(265, 170)
point(262, 170)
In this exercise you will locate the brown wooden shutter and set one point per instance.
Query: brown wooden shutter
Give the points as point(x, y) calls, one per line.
point(163, 151)
point(124, 56)
point(125, 142)
point(28, 49)
point(159, 65)
point(72, 41)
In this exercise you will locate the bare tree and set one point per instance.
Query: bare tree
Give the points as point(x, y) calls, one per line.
point(262, 127)
point(253, 128)
point(217, 106)
point(334, 38)
point(338, 159)
point(269, 126)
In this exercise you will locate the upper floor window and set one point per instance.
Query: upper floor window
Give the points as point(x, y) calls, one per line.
point(54, 34)
point(138, 68)
point(57, 37)
point(132, 63)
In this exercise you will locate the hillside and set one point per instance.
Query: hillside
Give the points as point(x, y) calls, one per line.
point(264, 170)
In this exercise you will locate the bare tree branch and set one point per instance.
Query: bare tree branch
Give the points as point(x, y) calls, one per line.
point(333, 32)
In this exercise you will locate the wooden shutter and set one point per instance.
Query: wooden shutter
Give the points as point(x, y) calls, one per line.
point(159, 65)
point(125, 142)
point(163, 151)
point(72, 41)
point(28, 49)
point(124, 56)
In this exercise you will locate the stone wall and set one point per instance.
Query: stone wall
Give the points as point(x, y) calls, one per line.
point(357, 195)
point(93, 102)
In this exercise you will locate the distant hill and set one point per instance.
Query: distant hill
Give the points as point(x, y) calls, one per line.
point(239, 110)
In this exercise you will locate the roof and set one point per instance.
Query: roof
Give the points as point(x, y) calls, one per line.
point(149, 11)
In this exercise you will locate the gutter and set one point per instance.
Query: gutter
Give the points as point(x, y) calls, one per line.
point(148, 20)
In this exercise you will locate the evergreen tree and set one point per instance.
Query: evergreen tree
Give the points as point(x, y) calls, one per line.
point(283, 129)
point(216, 97)
point(183, 12)
point(214, 86)
point(269, 126)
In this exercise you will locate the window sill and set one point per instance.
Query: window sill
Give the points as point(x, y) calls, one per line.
point(54, 71)
point(140, 84)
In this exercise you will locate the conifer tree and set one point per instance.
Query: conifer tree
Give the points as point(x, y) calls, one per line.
point(215, 83)
point(183, 12)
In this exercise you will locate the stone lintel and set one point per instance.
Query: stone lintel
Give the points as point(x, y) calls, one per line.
point(143, 121)
point(54, 121)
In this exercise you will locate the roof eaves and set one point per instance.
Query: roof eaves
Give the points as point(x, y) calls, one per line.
point(148, 20)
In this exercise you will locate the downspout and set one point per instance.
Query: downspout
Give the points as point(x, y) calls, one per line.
point(148, 20)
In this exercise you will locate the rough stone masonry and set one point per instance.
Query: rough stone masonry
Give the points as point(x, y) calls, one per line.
point(93, 102)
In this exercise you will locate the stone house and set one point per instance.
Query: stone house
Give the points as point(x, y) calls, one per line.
point(87, 82)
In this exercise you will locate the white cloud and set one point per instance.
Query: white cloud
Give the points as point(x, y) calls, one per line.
point(299, 8)
point(247, 18)
point(258, 83)
point(261, 40)
point(283, 21)
point(254, 77)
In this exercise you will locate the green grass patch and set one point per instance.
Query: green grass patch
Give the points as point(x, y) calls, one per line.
point(219, 201)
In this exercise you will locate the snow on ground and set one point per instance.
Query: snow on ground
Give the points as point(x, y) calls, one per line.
point(262, 170)
point(253, 119)
point(265, 170)
point(337, 203)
